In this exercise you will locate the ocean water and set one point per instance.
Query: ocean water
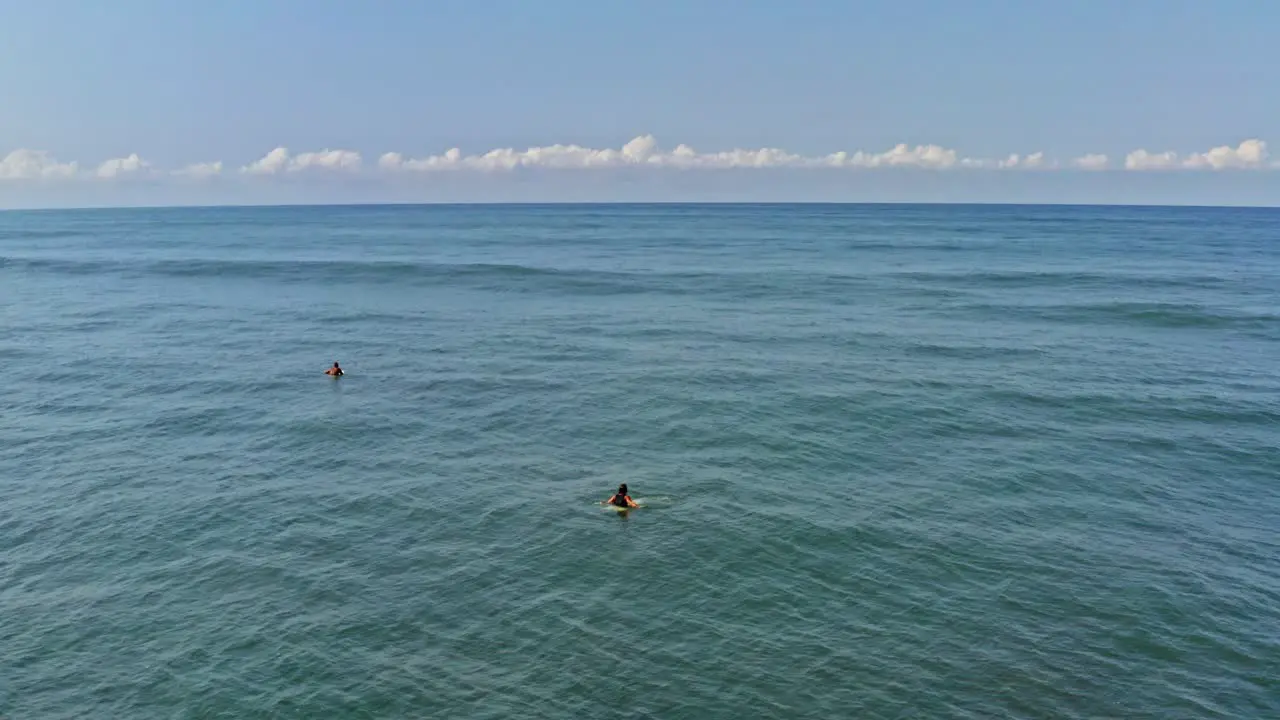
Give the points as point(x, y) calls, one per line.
point(896, 462)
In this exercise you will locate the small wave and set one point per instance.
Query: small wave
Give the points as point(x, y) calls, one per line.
point(340, 271)
point(828, 287)
point(1025, 279)
point(1109, 406)
point(7, 235)
point(1142, 314)
point(328, 271)
point(62, 267)
point(971, 352)
point(1170, 315)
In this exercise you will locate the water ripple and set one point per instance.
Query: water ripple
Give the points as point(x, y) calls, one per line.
point(896, 462)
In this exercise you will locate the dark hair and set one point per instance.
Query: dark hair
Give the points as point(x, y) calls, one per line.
point(335, 363)
point(622, 489)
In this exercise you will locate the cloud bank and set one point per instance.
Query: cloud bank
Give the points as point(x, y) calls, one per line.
point(1246, 155)
point(118, 167)
point(642, 152)
point(35, 165)
point(280, 161)
point(1093, 161)
point(200, 170)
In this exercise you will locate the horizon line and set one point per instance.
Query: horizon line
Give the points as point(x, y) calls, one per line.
point(628, 203)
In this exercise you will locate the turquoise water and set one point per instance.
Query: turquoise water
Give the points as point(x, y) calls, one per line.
point(898, 462)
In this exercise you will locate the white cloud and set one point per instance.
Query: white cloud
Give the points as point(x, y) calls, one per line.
point(279, 160)
point(391, 161)
point(1014, 161)
point(274, 162)
point(118, 167)
point(1092, 161)
point(327, 159)
point(923, 156)
point(1033, 161)
point(640, 149)
point(1143, 160)
point(201, 170)
point(34, 165)
point(1248, 154)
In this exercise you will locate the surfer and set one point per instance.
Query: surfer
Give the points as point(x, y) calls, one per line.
point(334, 371)
point(621, 498)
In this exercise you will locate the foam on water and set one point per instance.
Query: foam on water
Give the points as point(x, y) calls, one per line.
point(962, 462)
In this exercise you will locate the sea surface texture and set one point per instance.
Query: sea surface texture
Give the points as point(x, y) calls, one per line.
point(895, 462)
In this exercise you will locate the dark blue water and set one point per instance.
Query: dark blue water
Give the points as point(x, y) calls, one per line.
point(896, 462)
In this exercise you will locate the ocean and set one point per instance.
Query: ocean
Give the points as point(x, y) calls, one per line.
point(896, 462)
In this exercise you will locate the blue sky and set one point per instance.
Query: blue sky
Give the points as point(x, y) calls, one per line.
point(158, 87)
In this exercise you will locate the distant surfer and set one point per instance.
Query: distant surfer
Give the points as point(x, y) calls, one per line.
point(334, 371)
point(621, 498)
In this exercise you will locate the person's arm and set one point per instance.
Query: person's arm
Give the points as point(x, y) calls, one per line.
point(631, 503)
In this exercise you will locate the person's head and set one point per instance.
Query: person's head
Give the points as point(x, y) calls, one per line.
point(335, 363)
point(622, 489)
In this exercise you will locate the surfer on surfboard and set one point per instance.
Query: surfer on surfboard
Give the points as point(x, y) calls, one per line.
point(334, 371)
point(621, 498)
